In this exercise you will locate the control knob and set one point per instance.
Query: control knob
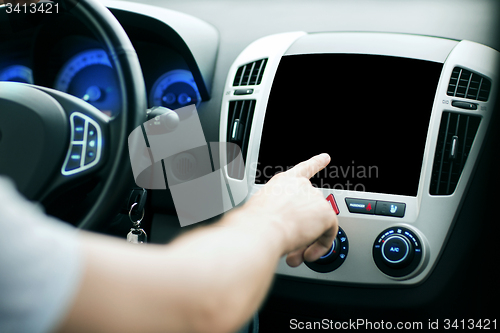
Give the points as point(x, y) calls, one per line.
point(334, 257)
point(397, 251)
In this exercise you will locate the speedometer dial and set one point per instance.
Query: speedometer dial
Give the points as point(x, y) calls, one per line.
point(17, 73)
point(90, 76)
point(174, 90)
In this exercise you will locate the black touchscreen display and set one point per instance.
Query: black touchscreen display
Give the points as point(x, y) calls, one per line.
point(369, 112)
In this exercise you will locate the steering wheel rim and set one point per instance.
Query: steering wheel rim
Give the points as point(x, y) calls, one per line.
point(124, 59)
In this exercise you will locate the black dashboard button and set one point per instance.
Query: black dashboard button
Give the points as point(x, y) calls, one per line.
point(464, 105)
point(361, 206)
point(386, 208)
point(243, 91)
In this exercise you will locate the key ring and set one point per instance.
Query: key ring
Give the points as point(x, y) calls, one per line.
point(138, 222)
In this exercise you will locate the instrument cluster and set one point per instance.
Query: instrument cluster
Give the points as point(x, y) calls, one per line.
point(81, 67)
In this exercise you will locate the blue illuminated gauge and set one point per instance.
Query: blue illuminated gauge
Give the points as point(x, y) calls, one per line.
point(174, 90)
point(17, 73)
point(90, 76)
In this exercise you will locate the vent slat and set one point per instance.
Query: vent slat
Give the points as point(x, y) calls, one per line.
point(240, 112)
point(442, 154)
point(261, 71)
point(466, 84)
point(245, 73)
point(237, 77)
point(233, 116)
point(447, 169)
point(250, 74)
point(248, 124)
point(464, 146)
point(484, 90)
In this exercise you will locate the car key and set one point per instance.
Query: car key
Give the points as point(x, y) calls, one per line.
point(136, 234)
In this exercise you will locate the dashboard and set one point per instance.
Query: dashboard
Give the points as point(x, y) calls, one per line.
point(403, 117)
point(453, 278)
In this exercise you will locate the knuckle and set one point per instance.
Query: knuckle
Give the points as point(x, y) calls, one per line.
point(278, 175)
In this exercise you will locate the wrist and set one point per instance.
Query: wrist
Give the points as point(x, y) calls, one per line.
point(267, 227)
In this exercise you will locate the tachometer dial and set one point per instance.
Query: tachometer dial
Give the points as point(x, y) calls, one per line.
point(90, 76)
point(174, 90)
point(17, 73)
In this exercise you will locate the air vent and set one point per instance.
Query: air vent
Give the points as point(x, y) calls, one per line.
point(238, 132)
point(465, 84)
point(456, 134)
point(250, 74)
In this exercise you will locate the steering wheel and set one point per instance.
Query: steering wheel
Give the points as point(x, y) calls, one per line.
point(51, 141)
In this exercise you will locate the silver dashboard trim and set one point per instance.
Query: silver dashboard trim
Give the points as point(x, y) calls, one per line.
point(430, 217)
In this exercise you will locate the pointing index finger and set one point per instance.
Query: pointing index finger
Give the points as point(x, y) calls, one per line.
point(310, 167)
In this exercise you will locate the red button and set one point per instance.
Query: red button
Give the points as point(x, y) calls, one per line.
point(332, 202)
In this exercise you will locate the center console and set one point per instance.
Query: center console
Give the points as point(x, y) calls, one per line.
point(403, 118)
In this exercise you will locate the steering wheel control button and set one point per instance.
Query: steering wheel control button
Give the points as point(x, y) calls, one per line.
point(333, 203)
point(86, 144)
point(75, 157)
point(397, 251)
point(386, 208)
point(91, 132)
point(78, 129)
point(335, 257)
point(361, 206)
point(90, 155)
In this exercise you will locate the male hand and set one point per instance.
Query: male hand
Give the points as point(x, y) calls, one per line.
point(306, 220)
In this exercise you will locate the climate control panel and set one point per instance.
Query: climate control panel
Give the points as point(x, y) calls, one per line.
point(397, 251)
